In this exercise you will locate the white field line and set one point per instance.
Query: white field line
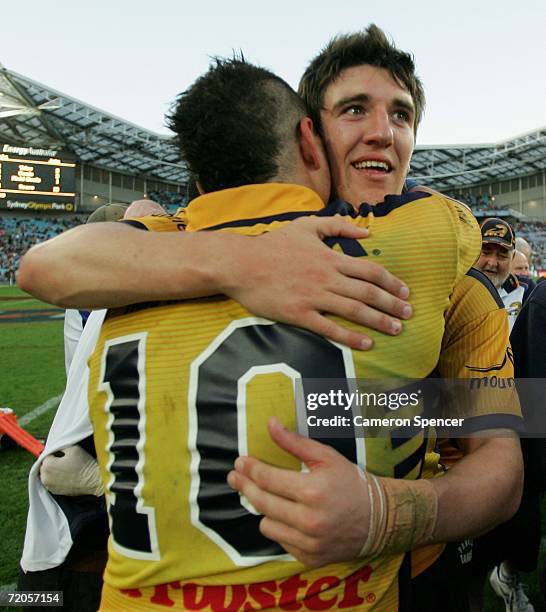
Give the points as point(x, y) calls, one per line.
point(8, 587)
point(39, 410)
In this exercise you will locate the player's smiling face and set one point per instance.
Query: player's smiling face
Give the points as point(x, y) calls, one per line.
point(368, 127)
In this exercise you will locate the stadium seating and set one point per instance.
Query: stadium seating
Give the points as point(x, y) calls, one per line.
point(170, 200)
point(17, 235)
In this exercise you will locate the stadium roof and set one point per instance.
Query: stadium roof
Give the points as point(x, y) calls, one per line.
point(452, 166)
point(34, 114)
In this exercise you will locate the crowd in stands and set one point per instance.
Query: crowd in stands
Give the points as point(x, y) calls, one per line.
point(535, 233)
point(170, 200)
point(531, 227)
point(477, 203)
point(17, 235)
point(539, 254)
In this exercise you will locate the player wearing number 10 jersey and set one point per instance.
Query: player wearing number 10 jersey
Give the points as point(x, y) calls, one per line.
point(178, 391)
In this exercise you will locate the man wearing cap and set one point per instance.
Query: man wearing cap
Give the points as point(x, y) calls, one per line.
point(498, 248)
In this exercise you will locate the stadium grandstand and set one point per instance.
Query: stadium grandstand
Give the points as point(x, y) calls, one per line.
point(61, 158)
point(506, 179)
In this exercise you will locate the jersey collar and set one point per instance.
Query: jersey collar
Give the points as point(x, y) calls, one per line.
point(255, 203)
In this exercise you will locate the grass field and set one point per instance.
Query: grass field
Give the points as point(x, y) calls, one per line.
point(32, 372)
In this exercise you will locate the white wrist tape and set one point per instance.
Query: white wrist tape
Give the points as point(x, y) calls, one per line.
point(403, 515)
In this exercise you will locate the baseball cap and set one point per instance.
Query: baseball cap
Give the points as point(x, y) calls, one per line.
point(107, 212)
point(498, 231)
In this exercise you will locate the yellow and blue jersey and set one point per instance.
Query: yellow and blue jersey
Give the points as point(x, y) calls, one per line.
point(178, 390)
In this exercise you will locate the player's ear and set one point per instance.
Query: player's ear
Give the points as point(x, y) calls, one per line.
point(199, 188)
point(311, 149)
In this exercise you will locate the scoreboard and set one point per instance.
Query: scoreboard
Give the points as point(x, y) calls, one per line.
point(36, 179)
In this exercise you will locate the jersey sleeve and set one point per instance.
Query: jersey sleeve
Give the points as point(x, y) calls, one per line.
point(476, 358)
point(469, 237)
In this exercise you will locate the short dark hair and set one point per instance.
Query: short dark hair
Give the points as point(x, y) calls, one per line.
point(236, 125)
point(371, 47)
